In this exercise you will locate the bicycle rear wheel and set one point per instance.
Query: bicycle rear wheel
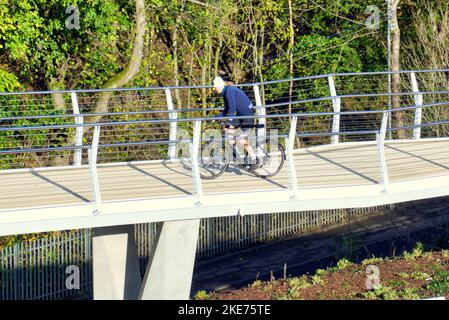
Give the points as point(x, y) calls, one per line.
point(213, 162)
point(272, 160)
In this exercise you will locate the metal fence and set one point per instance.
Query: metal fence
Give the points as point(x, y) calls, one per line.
point(38, 269)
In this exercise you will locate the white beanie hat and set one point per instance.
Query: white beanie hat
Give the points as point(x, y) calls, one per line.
point(219, 83)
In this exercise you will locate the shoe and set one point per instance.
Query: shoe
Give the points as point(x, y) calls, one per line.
point(256, 164)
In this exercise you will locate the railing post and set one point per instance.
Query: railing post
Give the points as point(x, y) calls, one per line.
point(260, 111)
point(195, 165)
point(92, 153)
point(173, 125)
point(79, 130)
point(381, 151)
point(336, 103)
point(418, 103)
point(290, 144)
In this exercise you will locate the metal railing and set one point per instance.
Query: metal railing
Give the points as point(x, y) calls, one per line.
point(148, 120)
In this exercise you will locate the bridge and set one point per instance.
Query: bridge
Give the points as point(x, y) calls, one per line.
point(66, 163)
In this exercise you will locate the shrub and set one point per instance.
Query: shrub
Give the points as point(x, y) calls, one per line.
point(201, 295)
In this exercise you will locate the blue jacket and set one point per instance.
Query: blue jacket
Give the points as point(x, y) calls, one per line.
point(236, 103)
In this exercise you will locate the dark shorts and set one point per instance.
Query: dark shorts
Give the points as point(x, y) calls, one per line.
point(244, 124)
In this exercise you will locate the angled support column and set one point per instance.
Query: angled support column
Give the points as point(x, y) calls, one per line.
point(173, 125)
point(290, 144)
point(170, 267)
point(116, 273)
point(418, 97)
point(79, 130)
point(195, 146)
point(381, 151)
point(260, 111)
point(336, 103)
point(92, 153)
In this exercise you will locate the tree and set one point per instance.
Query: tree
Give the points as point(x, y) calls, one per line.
point(38, 47)
point(396, 66)
point(426, 46)
point(131, 70)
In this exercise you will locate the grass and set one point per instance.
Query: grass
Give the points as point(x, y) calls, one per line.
point(440, 283)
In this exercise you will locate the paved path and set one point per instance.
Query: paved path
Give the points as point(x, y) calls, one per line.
point(325, 166)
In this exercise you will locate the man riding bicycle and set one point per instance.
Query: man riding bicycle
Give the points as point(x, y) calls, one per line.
point(237, 103)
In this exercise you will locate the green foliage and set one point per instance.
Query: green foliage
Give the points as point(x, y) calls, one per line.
point(330, 36)
point(35, 39)
point(440, 283)
point(414, 275)
point(201, 295)
point(417, 252)
point(9, 241)
point(18, 106)
point(398, 283)
point(313, 55)
point(292, 294)
point(41, 53)
point(268, 287)
point(298, 283)
point(372, 260)
point(320, 272)
point(317, 280)
point(343, 263)
point(256, 284)
point(8, 82)
point(410, 294)
point(334, 55)
point(389, 293)
point(420, 275)
point(381, 292)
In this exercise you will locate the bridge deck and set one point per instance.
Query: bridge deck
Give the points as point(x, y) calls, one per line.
point(354, 164)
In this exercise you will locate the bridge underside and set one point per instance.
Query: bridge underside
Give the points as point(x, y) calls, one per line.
point(346, 175)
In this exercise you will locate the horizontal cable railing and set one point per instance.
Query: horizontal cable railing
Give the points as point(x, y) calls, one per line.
point(214, 118)
point(371, 73)
point(55, 128)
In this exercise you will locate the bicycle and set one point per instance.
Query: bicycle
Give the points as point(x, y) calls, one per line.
point(271, 158)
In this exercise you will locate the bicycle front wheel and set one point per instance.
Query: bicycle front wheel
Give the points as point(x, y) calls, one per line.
point(213, 162)
point(271, 157)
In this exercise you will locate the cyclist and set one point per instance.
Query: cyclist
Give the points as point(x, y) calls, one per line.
point(237, 103)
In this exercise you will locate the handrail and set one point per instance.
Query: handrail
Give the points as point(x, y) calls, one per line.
point(166, 142)
point(210, 86)
point(328, 98)
point(309, 114)
point(347, 74)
